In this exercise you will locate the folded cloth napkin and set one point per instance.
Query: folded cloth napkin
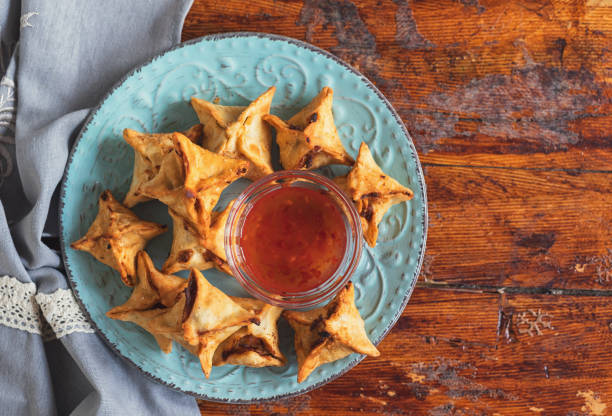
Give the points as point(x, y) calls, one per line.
point(57, 59)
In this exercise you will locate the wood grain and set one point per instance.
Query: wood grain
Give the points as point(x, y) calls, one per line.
point(488, 82)
point(516, 227)
point(510, 106)
point(456, 353)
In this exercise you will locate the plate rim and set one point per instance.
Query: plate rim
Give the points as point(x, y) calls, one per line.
point(211, 38)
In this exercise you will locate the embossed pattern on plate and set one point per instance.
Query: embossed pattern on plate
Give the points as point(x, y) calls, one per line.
point(236, 68)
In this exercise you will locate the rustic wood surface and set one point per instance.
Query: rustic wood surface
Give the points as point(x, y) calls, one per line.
point(510, 106)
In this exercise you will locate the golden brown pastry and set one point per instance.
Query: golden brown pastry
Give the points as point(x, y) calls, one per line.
point(209, 309)
point(188, 251)
point(169, 323)
point(309, 139)
point(209, 343)
point(116, 235)
point(144, 319)
point(372, 191)
point(210, 317)
point(329, 333)
point(253, 345)
point(152, 288)
point(191, 180)
point(215, 237)
point(239, 132)
point(149, 151)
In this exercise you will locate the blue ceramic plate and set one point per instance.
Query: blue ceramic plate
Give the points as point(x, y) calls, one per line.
point(237, 68)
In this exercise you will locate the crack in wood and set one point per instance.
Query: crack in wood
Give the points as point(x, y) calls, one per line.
point(512, 290)
point(505, 325)
point(521, 168)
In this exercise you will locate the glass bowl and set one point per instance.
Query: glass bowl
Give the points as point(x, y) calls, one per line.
point(321, 294)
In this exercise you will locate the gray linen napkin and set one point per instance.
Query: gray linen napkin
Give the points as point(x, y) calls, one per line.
point(57, 59)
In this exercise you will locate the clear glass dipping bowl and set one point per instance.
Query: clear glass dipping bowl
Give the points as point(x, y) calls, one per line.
point(233, 231)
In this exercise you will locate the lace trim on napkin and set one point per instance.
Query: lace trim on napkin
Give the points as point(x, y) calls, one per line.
point(18, 307)
point(63, 313)
point(49, 315)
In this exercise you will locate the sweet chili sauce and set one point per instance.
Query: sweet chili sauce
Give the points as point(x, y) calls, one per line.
point(293, 239)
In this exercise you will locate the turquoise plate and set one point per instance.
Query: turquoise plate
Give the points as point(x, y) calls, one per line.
point(236, 68)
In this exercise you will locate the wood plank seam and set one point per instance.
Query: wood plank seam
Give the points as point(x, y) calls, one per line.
point(519, 168)
point(513, 290)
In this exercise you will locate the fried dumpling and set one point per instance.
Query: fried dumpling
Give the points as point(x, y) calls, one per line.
point(209, 342)
point(239, 132)
point(169, 323)
point(372, 191)
point(209, 309)
point(140, 174)
point(191, 251)
point(187, 251)
point(309, 139)
point(116, 235)
point(194, 349)
point(191, 180)
point(206, 349)
point(329, 333)
point(215, 238)
point(143, 319)
point(149, 151)
point(222, 265)
point(168, 178)
point(253, 345)
point(166, 325)
point(151, 288)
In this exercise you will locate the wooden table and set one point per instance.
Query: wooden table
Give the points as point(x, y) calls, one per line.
point(510, 106)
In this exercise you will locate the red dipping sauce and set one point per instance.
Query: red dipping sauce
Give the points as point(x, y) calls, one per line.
point(293, 239)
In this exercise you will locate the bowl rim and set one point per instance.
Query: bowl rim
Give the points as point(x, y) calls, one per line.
point(212, 38)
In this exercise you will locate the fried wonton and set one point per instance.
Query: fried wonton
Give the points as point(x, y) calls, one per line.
point(187, 250)
point(253, 345)
point(152, 288)
point(309, 139)
point(169, 177)
point(215, 238)
point(222, 265)
point(209, 309)
point(329, 333)
point(209, 343)
point(143, 319)
point(194, 349)
point(191, 251)
point(149, 151)
point(372, 191)
point(169, 323)
point(239, 132)
point(191, 180)
point(116, 235)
